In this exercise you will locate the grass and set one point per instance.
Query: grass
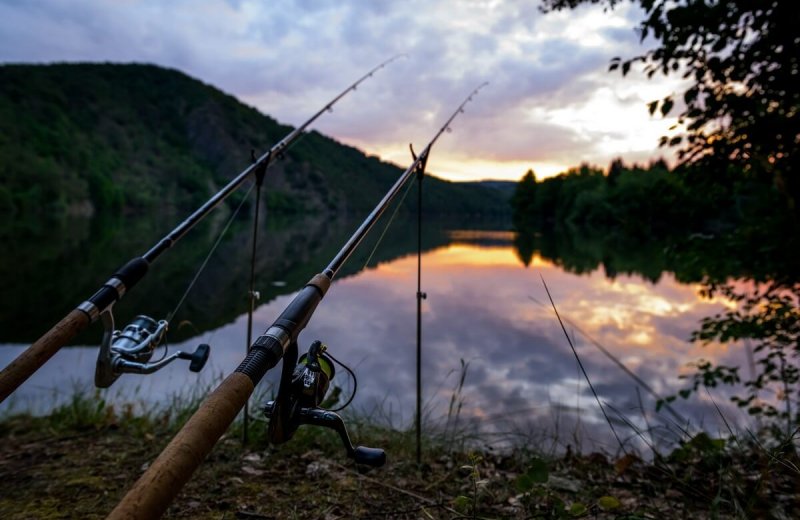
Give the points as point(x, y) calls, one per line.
point(78, 461)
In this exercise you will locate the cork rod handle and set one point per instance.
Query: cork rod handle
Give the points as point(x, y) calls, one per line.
point(32, 359)
point(152, 493)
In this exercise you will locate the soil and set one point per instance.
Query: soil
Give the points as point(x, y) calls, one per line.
point(48, 473)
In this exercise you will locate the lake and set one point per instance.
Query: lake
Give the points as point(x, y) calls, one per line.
point(486, 310)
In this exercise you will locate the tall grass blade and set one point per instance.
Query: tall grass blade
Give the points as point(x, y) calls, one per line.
point(585, 375)
point(678, 417)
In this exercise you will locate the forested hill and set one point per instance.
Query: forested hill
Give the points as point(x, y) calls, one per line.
point(89, 138)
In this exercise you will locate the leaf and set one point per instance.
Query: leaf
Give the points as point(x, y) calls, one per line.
point(537, 471)
point(607, 503)
point(624, 463)
point(666, 106)
point(524, 483)
point(578, 509)
point(461, 503)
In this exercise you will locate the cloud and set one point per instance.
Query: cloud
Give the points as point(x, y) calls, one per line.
point(289, 58)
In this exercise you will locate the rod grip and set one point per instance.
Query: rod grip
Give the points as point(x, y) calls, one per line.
point(32, 359)
point(152, 493)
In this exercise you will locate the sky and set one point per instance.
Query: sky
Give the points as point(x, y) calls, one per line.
point(550, 104)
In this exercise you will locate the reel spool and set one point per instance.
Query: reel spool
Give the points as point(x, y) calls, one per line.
point(313, 375)
point(129, 350)
point(304, 384)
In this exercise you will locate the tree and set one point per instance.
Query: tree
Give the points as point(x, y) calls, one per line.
point(615, 169)
point(523, 201)
point(740, 117)
point(741, 114)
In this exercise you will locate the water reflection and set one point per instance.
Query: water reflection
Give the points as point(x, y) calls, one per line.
point(486, 307)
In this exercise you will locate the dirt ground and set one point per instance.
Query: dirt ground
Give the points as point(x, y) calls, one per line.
point(83, 472)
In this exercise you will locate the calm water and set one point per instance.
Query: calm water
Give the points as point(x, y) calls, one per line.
point(484, 306)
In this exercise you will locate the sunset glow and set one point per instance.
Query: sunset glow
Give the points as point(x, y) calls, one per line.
point(551, 103)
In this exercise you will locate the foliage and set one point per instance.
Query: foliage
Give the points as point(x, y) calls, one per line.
point(653, 220)
point(103, 138)
point(88, 452)
point(524, 200)
point(769, 317)
point(637, 201)
point(477, 484)
point(650, 220)
point(741, 107)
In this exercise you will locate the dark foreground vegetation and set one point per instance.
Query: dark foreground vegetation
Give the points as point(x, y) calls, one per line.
point(79, 461)
point(727, 216)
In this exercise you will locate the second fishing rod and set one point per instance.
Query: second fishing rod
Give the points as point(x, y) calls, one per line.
point(100, 305)
point(152, 493)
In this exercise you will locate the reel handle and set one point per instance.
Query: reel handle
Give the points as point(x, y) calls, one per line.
point(374, 457)
point(197, 358)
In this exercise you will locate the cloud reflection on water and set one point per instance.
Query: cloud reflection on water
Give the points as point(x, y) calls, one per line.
point(480, 307)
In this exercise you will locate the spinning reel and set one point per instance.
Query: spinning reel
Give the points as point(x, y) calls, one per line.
point(129, 350)
point(304, 384)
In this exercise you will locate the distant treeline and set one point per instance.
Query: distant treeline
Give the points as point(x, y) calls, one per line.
point(648, 200)
point(650, 219)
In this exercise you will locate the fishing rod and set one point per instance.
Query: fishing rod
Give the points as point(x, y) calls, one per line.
point(299, 390)
point(133, 356)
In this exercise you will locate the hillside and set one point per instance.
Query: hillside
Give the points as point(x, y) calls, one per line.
point(86, 138)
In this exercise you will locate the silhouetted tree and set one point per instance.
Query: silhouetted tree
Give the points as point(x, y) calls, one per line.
point(659, 164)
point(741, 109)
point(615, 169)
point(525, 247)
point(523, 201)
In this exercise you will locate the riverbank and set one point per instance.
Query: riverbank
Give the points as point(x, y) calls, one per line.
point(78, 461)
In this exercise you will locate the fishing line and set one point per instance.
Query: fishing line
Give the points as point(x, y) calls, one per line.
point(389, 223)
point(166, 475)
point(113, 360)
point(211, 252)
point(355, 383)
